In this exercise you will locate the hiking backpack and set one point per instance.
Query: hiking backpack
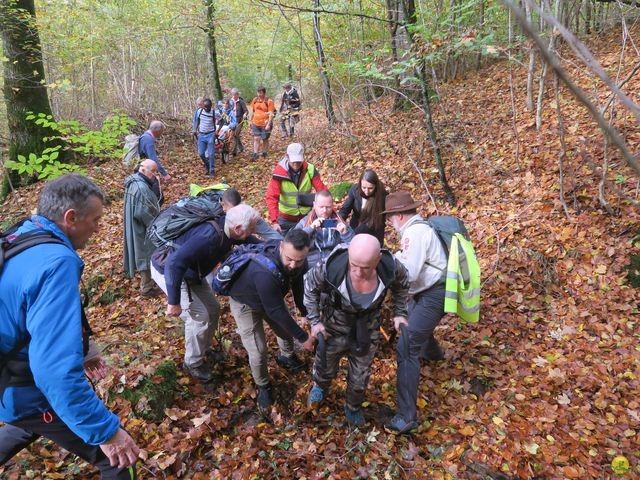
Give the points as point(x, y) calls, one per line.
point(239, 259)
point(186, 213)
point(131, 150)
point(462, 275)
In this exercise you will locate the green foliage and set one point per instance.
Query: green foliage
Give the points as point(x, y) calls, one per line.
point(104, 143)
point(45, 167)
point(340, 190)
point(154, 394)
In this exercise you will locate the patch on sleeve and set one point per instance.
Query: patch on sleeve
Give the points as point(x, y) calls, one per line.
point(405, 244)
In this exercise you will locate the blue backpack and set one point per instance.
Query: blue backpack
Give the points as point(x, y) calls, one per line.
point(234, 265)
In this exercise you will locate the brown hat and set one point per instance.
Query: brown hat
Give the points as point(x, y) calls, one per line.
point(398, 202)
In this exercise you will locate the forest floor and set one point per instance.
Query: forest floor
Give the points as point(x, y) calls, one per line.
point(544, 386)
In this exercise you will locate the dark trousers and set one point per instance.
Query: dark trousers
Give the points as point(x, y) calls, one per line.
point(426, 309)
point(286, 225)
point(358, 370)
point(21, 433)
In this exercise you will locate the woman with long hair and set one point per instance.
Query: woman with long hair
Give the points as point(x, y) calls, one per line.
point(365, 203)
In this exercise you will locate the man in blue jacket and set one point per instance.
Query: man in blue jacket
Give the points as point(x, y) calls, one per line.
point(47, 393)
point(180, 271)
point(257, 296)
point(147, 146)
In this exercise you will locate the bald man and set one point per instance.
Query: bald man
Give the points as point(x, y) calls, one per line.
point(344, 297)
point(147, 146)
point(141, 205)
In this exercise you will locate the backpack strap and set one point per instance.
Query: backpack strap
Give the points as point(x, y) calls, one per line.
point(269, 265)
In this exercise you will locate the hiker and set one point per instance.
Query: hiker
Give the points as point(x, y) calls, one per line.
point(289, 196)
point(199, 105)
point(231, 197)
point(240, 110)
point(353, 283)
point(141, 205)
point(424, 258)
point(205, 125)
point(44, 338)
point(365, 203)
point(225, 125)
point(325, 228)
point(289, 110)
point(261, 118)
point(257, 294)
point(180, 269)
point(147, 146)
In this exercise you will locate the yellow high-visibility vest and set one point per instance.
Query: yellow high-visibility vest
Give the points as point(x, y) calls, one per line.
point(195, 189)
point(289, 202)
point(460, 298)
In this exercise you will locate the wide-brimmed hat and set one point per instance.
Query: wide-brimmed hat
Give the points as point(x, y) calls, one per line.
point(398, 202)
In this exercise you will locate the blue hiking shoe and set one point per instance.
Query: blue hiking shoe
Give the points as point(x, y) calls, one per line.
point(399, 425)
point(316, 396)
point(355, 418)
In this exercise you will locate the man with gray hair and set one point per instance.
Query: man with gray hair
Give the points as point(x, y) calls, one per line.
point(237, 103)
point(180, 270)
point(147, 146)
point(141, 206)
point(44, 335)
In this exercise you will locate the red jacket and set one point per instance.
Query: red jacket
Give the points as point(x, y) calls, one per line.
point(282, 173)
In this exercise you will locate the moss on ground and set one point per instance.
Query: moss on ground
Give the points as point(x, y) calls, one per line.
point(154, 394)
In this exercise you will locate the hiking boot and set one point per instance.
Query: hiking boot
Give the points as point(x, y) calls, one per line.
point(264, 154)
point(292, 363)
point(284, 135)
point(152, 292)
point(316, 396)
point(431, 351)
point(264, 399)
point(201, 372)
point(399, 426)
point(254, 157)
point(355, 418)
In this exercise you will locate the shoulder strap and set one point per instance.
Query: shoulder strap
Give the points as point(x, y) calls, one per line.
point(218, 230)
point(20, 243)
point(269, 265)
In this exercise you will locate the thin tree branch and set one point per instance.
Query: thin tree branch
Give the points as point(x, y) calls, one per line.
point(552, 59)
point(324, 10)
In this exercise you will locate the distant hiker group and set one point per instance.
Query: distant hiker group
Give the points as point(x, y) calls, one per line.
point(209, 245)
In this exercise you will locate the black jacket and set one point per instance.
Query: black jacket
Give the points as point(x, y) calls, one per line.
point(353, 205)
point(258, 288)
point(290, 100)
point(239, 108)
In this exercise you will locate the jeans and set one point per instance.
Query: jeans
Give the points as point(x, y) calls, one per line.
point(250, 325)
point(206, 150)
point(22, 433)
point(426, 309)
point(200, 313)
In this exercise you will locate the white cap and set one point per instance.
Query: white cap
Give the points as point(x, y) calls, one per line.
point(295, 152)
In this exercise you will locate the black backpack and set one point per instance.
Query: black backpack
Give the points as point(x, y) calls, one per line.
point(186, 213)
point(14, 372)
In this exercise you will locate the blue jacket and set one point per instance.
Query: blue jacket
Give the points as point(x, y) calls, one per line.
point(39, 294)
point(226, 117)
point(194, 255)
point(147, 149)
point(196, 114)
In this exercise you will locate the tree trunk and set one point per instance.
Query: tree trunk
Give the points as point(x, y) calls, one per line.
point(409, 9)
point(24, 81)
point(393, 12)
point(532, 65)
point(214, 74)
point(326, 84)
point(479, 57)
point(587, 12)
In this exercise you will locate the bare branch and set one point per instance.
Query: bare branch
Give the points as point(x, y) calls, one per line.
point(552, 59)
point(324, 10)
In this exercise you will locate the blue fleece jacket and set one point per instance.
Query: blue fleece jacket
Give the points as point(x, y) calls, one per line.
point(39, 295)
point(147, 149)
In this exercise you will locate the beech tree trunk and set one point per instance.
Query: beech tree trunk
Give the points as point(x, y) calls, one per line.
point(24, 81)
point(409, 9)
point(214, 74)
point(326, 84)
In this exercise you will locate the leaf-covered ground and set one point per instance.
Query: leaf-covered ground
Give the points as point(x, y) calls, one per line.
point(545, 386)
